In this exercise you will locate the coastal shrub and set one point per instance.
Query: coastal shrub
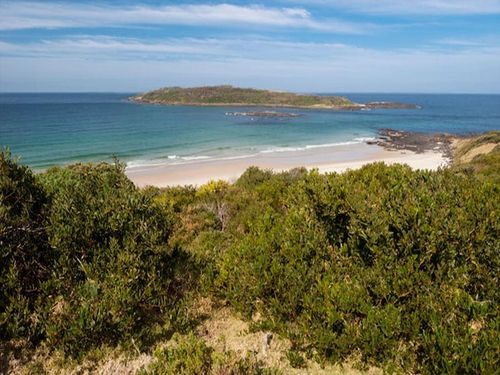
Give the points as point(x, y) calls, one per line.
point(175, 198)
point(395, 266)
point(255, 192)
point(211, 197)
point(399, 265)
point(114, 268)
point(221, 213)
point(86, 259)
point(253, 177)
point(25, 256)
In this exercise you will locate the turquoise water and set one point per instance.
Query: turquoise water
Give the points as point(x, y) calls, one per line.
point(56, 129)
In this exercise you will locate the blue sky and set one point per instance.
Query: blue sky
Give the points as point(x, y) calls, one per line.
point(307, 46)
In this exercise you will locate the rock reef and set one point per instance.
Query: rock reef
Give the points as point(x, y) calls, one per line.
point(391, 139)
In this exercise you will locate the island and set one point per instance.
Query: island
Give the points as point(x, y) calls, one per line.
point(227, 95)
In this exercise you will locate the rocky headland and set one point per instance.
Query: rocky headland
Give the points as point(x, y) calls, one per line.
point(391, 139)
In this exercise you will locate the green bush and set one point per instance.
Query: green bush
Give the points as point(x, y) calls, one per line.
point(86, 259)
point(394, 263)
point(114, 265)
point(25, 256)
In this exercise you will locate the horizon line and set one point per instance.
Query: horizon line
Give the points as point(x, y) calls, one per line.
point(301, 92)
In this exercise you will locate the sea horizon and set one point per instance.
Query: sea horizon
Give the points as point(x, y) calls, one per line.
point(259, 88)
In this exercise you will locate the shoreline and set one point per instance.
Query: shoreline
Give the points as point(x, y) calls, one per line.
point(328, 159)
point(336, 108)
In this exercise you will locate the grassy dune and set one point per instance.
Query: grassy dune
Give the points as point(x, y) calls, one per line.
point(479, 154)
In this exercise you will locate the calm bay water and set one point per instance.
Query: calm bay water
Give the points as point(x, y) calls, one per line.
point(56, 129)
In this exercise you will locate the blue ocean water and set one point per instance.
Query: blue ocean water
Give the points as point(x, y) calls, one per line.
point(56, 129)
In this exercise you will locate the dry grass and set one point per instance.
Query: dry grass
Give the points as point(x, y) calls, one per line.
point(226, 332)
point(27, 362)
point(466, 149)
point(222, 330)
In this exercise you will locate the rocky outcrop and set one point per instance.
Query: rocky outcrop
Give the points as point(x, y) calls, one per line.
point(392, 139)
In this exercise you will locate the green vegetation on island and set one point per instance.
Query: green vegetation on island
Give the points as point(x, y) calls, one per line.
point(382, 267)
point(227, 95)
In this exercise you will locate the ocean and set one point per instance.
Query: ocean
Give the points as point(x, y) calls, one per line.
point(58, 129)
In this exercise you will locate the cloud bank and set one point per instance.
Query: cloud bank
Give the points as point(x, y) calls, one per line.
point(413, 7)
point(284, 44)
point(315, 67)
point(50, 15)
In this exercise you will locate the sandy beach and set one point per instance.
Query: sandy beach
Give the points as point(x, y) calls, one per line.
point(325, 159)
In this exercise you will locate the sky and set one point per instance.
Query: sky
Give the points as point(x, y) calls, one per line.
point(417, 46)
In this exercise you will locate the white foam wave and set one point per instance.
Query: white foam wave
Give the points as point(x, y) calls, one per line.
point(236, 157)
point(282, 149)
point(365, 139)
point(332, 144)
point(176, 159)
point(308, 147)
point(202, 157)
point(172, 159)
point(143, 163)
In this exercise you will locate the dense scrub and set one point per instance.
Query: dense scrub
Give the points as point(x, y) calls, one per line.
point(398, 266)
point(85, 258)
point(24, 251)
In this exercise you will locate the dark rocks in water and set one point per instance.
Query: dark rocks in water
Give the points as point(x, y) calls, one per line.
point(264, 114)
point(392, 139)
point(391, 105)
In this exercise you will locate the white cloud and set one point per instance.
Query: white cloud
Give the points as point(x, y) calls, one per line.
point(413, 7)
point(456, 42)
point(119, 64)
point(108, 47)
point(105, 46)
point(28, 15)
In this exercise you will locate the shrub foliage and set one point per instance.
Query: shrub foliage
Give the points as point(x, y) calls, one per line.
point(401, 266)
point(25, 256)
point(85, 255)
point(398, 264)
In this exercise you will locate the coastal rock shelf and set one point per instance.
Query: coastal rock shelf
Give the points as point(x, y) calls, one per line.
point(393, 140)
point(233, 96)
